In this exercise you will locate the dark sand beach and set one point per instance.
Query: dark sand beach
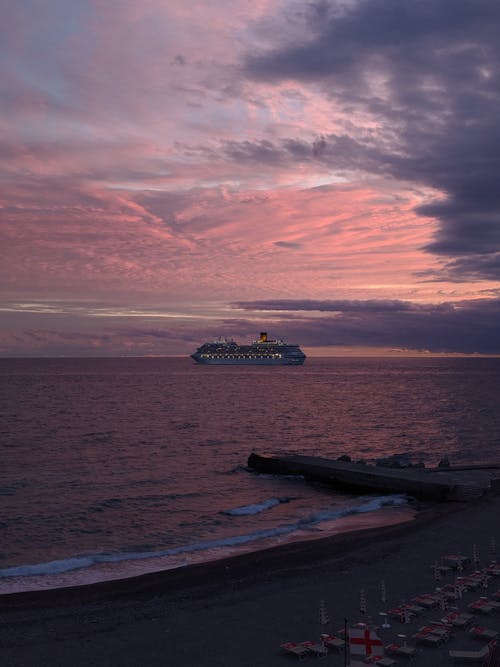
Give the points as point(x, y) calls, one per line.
point(239, 611)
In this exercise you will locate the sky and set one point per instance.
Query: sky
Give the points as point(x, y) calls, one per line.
point(327, 171)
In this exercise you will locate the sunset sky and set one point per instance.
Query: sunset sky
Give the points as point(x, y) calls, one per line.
point(328, 171)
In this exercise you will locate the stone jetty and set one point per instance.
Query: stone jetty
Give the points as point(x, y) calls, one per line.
point(437, 484)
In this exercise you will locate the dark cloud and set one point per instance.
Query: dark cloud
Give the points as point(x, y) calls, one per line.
point(438, 96)
point(288, 244)
point(466, 327)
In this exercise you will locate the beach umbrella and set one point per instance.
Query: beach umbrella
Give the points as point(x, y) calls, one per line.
point(406, 615)
point(493, 547)
point(383, 592)
point(442, 599)
point(362, 601)
point(475, 557)
point(459, 587)
point(323, 616)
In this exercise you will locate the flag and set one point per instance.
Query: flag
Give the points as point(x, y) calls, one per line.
point(493, 659)
point(363, 641)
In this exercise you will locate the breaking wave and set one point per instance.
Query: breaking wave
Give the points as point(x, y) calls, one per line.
point(57, 567)
point(257, 507)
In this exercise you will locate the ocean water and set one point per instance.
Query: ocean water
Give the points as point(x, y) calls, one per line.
point(116, 467)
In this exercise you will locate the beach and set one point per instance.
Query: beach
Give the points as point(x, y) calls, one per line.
point(240, 610)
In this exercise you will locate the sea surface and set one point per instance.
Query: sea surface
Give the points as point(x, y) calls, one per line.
point(115, 467)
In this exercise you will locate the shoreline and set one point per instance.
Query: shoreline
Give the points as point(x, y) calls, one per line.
point(240, 610)
point(295, 552)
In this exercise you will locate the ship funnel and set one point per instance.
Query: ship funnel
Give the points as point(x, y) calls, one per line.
point(263, 337)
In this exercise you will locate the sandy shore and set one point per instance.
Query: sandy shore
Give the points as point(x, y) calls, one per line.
point(239, 611)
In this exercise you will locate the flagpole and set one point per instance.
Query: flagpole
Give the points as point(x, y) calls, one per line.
point(346, 645)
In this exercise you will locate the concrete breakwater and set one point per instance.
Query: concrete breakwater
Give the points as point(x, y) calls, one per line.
point(462, 484)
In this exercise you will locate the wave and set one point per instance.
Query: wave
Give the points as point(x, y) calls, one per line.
point(256, 508)
point(86, 561)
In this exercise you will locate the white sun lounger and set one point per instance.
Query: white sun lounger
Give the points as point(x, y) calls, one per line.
point(317, 649)
point(295, 649)
point(479, 632)
point(470, 656)
point(333, 642)
point(400, 649)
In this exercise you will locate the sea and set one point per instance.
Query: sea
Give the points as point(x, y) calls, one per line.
point(112, 468)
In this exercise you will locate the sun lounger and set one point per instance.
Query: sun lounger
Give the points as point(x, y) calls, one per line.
point(494, 603)
point(426, 600)
point(295, 649)
point(317, 649)
point(458, 619)
point(380, 660)
point(472, 581)
point(414, 608)
point(400, 649)
point(456, 560)
point(333, 642)
point(437, 630)
point(478, 632)
point(470, 656)
point(428, 638)
point(400, 614)
point(481, 606)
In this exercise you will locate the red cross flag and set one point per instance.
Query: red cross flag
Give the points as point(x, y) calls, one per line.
point(494, 654)
point(364, 641)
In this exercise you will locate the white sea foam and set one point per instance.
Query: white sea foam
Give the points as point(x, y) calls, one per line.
point(257, 507)
point(56, 567)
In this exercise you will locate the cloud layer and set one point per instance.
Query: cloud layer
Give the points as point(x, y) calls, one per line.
point(166, 157)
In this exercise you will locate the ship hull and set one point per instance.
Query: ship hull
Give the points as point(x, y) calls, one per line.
point(249, 362)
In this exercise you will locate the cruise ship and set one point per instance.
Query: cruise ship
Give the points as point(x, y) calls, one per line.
point(262, 351)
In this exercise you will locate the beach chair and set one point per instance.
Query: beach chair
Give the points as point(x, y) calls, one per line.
point(316, 648)
point(333, 642)
point(415, 609)
point(401, 650)
point(478, 632)
point(443, 569)
point(470, 656)
point(481, 606)
point(380, 660)
point(472, 582)
point(438, 630)
point(494, 603)
point(426, 600)
point(295, 649)
point(458, 619)
point(399, 614)
point(428, 638)
point(457, 561)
